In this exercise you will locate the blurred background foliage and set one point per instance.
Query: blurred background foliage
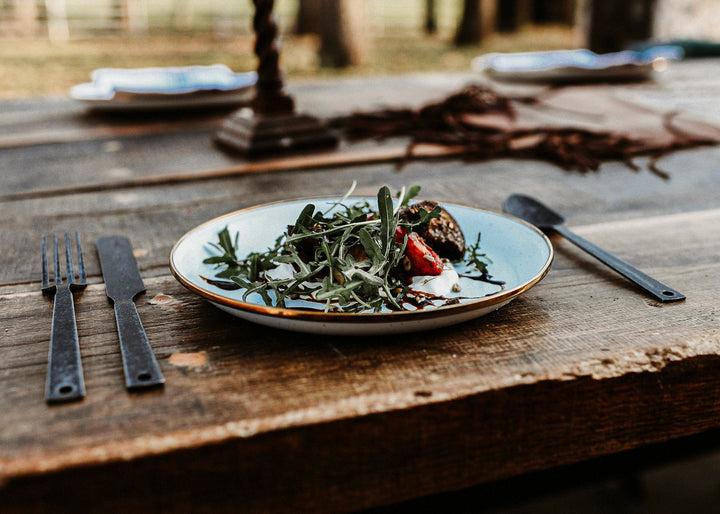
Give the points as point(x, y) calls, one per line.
point(39, 56)
point(46, 46)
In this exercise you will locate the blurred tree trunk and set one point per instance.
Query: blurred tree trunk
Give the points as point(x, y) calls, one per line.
point(344, 38)
point(430, 17)
point(513, 14)
point(26, 14)
point(57, 20)
point(309, 17)
point(554, 11)
point(469, 30)
point(489, 16)
point(613, 25)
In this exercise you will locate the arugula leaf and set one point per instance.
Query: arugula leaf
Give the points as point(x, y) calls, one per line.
point(304, 220)
point(405, 196)
point(479, 261)
point(227, 247)
point(387, 225)
point(226, 242)
point(370, 246)
point(426, 216)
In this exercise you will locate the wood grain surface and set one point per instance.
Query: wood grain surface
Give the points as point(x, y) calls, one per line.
point(581, 366)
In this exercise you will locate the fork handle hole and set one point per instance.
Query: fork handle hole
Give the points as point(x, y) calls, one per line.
point(66, 389)
point(145, 376)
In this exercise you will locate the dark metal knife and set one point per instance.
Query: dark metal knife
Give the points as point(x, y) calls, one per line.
point(122, 284)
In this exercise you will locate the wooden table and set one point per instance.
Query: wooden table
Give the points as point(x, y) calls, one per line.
point(257, 419)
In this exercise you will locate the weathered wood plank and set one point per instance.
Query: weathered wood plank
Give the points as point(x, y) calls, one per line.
point(229, 379)
point(270, 473)
point(154, 217)
point(117, 151)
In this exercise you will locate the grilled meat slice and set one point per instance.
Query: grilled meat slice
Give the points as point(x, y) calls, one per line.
point(442, 234)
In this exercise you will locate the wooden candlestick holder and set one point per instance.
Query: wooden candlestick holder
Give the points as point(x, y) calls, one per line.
point(270, 124)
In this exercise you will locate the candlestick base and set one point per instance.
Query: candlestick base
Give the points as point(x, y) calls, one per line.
point(253, 134)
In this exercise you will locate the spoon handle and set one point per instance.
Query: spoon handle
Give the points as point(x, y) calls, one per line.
point(657, 289)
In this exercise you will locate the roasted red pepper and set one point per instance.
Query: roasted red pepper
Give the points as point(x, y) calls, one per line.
point(419, 258)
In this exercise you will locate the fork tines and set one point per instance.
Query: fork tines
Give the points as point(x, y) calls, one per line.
point(65, 377)
point(45, 275)
point(82, 279)
point(74, 283)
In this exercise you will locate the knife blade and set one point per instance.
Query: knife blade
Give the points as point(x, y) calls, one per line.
point(122, 284)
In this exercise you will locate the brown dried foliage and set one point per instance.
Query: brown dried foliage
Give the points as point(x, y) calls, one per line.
point(445, 123)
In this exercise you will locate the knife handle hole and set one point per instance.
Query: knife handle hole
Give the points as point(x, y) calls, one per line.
point(144, 377)
point(669, 293)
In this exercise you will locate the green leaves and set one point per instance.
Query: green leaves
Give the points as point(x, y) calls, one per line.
point(387, 219)
point(346, 257)
point(404, 196)
point(479, 261)
point(225, 245)
point(426, 216)
point(304, 221)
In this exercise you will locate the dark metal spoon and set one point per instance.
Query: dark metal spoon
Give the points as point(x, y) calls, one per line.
point(546, 219)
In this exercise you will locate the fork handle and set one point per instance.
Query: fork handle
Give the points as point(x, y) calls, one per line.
point(65, 375)
point(141, 367)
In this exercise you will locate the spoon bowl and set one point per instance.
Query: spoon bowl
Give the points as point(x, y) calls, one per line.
point(532, 211)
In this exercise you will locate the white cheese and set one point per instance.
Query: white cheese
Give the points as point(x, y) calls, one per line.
point(283, 271)
point(437, 285)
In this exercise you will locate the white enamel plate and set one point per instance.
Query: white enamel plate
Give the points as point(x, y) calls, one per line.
point(521, 256)
point(157, 88)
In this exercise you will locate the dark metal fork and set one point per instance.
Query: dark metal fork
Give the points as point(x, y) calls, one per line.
point(64, 375)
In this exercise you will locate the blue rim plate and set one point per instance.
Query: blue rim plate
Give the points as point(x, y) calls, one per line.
point(521, 257)
point(570, 65)
point(165, 87)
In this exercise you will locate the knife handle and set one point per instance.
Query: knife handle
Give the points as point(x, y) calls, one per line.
point(141, 367)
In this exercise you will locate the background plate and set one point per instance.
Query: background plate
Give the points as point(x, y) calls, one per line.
point(575, 65)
